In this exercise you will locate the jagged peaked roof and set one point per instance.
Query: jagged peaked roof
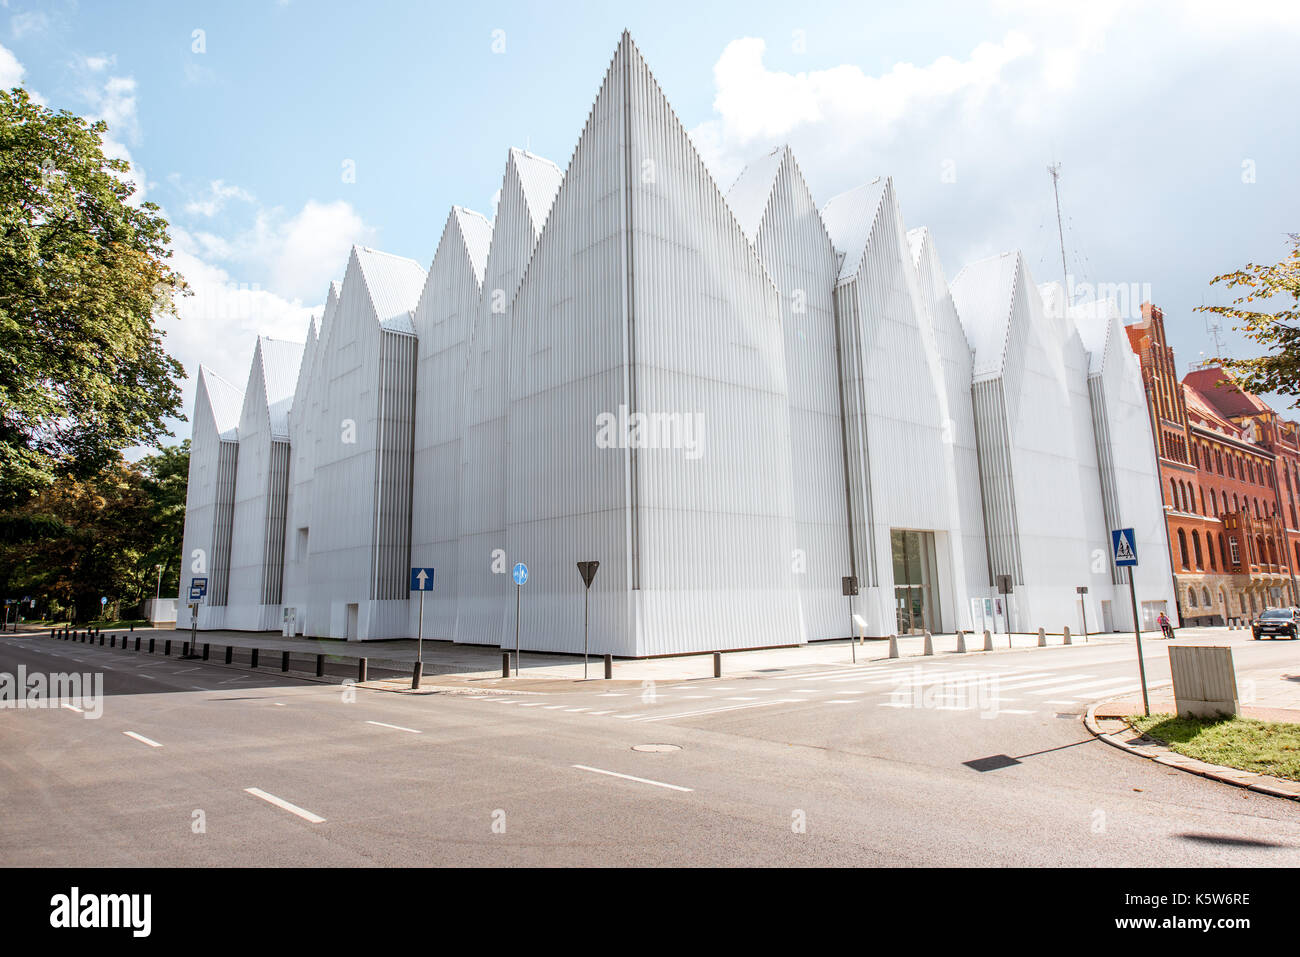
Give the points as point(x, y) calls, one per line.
point(225, 400)
point(917, 240)
point(1223, 394)
point(280, 361)
point(984, 293)
point(931, 282)
point(849, 218)
point(1094, 320)
point(750, 193)
point(476, 233)
point(393, 284)
point(539, 180)
point(1198, 407)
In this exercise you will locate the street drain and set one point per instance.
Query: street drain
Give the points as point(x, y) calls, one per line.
point(655, 747)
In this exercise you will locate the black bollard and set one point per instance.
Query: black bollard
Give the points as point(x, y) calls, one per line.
point(320, 666)
point(717, 664)
point(505, 664)
point(151, 641)
point(415, 675)
point(230, 654)
point(254, 664)
point(284, 661)
point(363, 667)
point(609, 666)
point(167, 648)
point(206, 649)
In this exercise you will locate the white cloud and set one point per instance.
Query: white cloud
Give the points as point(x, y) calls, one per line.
point(11, 71)
point(21, 24)
point(306, 250)
point(215, 198)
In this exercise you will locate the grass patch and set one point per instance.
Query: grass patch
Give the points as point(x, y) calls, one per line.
point(1266, 747)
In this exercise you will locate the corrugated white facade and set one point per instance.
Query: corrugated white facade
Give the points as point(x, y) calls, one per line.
point(730, 402)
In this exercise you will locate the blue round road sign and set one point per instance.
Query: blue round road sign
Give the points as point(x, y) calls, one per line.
point(521, 573)
point(103, 600)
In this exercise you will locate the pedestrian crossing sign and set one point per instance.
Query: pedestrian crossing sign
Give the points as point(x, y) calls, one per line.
point(1124, 547)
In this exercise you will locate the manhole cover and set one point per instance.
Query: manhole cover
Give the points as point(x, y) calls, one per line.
point(655, 747)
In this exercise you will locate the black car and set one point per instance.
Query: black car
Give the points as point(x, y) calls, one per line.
point(1276, 622)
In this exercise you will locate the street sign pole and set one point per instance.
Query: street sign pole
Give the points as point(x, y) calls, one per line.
point(1137, 635)
point(586, 600)
point(517, 629)
point(852, 644)
point(419, 645)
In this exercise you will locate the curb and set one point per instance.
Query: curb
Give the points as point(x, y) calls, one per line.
point(1159, 753)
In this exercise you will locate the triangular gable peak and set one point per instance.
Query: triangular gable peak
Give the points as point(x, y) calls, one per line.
point(750, 194)
point(985, 294)
point(392, 285)
point(850, 220)
point(476, 237)
point(281, 361)
point(630, 83)
point(462, 252)
point(539, 181)
point(224, 401)
point(930, 277)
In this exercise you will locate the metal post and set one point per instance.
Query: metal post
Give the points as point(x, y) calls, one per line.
point(230, 654)
point(586, 595)
point(852, 644)
point(284, 661)
point(419, 645)
point(253, 663)
point(516, 630)
point(363, 667)
point(609, 666)
point(416, 671)
point(1083, 607)
point(1137, 635)
point(206, 649)
point(505, 664)
point(320, 666)
point(717, 664)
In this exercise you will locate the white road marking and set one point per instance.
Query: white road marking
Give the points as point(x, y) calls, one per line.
point(1075, 686)
point(842, 701)
point(733, 707)
point(592, 714)
point(552, 707)
point(570, 710)
point(739, 699)
point(142, 739)
point(613, 694)
point(629, 777)
point(286, 806)
point(73, 707)
point(395, 727)
point(1012, 711)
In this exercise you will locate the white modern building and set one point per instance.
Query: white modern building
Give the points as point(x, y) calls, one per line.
point(732, 402)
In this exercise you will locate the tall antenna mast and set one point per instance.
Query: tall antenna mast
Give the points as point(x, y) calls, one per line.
point(1214, 326)
point(1055, 170)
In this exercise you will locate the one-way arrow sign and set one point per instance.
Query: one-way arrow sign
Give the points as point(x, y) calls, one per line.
point(421, 579)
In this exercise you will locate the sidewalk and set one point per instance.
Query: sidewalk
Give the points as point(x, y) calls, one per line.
point(476, 663)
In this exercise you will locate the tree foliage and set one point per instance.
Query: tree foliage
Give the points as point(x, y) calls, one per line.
point(1278, 332)
point(79, 539)
point(83, 273)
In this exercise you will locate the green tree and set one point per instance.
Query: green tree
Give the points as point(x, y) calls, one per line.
point(166, 480)
point(1278, 332)
point(83, 273)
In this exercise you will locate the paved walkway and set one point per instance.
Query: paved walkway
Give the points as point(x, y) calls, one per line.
point(447, 659)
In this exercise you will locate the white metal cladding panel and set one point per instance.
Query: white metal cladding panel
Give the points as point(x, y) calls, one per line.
point(223, 509)
point(1001, 523)
point(340, 568)
point(277, 510)
point(1058, 493)
point(982, 292)
point(394, 471)
point(482, 582)
point(798, 255)
point(849, 333)
point(248, 535)
point(443, 321)
point(565, 497)
point(1136, 472)
point(394, 282)
point(538, 179)
point(968, 554)
point(200, 498)
point(1105, 461)
point(716, 518)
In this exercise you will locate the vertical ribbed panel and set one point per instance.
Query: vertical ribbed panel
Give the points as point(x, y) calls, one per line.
point(1001, 525)
point(216, 411)
point(566, 499)
point(484, 592)
point(714, 523)
point(1105, 463)
point(223, 514)
point(277, 510)
point(795, 249)
point(395, 443)
point(443, 321)
point(855, 440)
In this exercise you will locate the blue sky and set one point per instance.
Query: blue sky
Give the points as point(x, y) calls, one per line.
point(1178, 157)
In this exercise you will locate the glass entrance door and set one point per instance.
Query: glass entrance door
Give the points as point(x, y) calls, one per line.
point(915, 591)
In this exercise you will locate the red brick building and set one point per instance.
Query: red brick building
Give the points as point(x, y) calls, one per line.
point(1230, 472)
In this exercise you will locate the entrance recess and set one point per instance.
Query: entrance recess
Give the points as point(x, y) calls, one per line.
point(915, 588)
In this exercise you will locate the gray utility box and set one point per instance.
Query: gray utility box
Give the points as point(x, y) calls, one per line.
point(1205, 683)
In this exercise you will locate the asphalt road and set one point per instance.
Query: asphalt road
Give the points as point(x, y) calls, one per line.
point(973, 760)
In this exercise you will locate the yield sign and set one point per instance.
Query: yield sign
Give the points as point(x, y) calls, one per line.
point(588, 572)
